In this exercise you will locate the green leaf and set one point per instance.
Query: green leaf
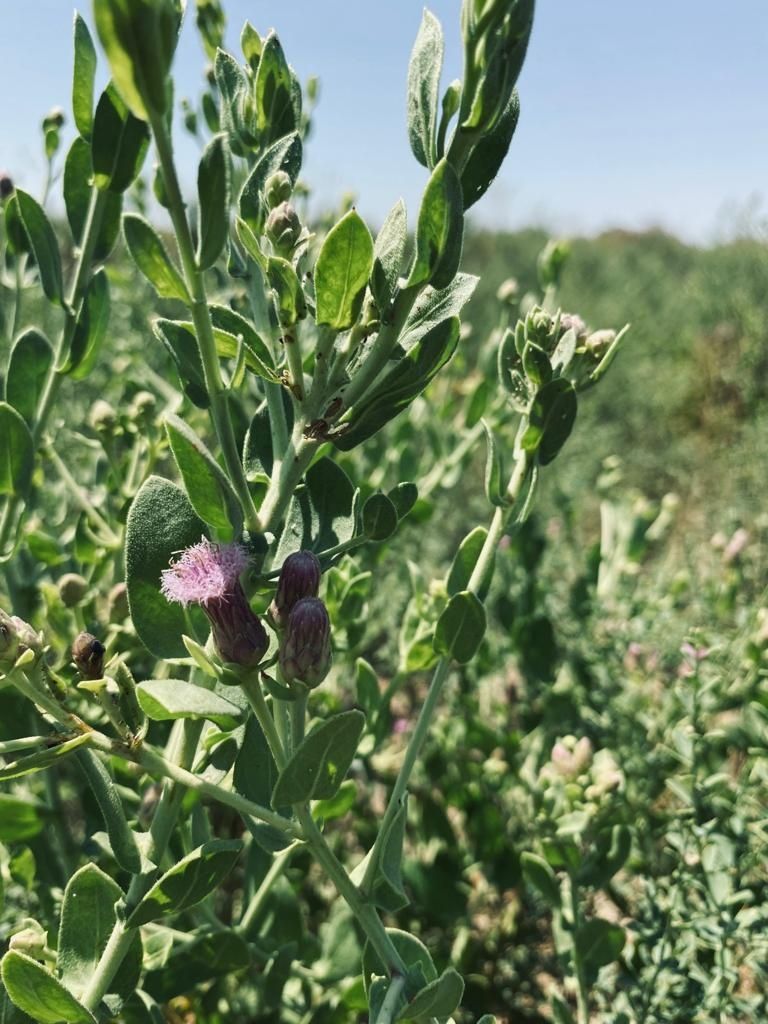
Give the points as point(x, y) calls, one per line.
point(119, 143)
point(609, 852)
point(121, 838)
point(254, 777)
point(408, 377)
point(434, 307)
point(439, 998)
point(233, 90)
point(180, 341)
point(424, 72)
point(28, 366)
point(379, 517)
point(283, 155)
point(139, 37)
point(561, 1011)
point(413, 953)
point(163, 700)
point(488, 154)
point(387, 890)
point(16, 452)
point(152, 259)
point(342, 271)
point(90, 329)
point(551, 420)
point(78, 173)
point(599, 942)
point(461, 627)
point(465, 560)
point(41, 242)
point(540, 876)
point(188, 882)
point(20, 819)
point(321, 515)
point(38, 993)
point(88, 916)
point(404, 496)
point(42, 759)
point(82, 78)
point(161, 522)
point(388, 256)
point(228, 328)
point(276, 115)
point(440, 229)
point(213, 202)
point(207, 485)
point(337, 806)
point(289, 295)
point(317, 768)
point(495, 483)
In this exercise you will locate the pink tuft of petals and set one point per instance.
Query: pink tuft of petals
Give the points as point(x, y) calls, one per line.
point(205, 572)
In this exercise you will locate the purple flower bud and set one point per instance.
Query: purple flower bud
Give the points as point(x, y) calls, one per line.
point(299, 577)
point(305, 652)
point(88, 656)
point(6, 185)
point(209, 575)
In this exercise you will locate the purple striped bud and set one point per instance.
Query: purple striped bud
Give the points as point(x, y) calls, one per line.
point(209, 575)
point(305, 651)
point(299, 577)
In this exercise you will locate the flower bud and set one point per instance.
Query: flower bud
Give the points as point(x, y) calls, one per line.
point(117, 603)
point(278, 189)
point(6, 185)
point(31, 939)
point(238, 634)
point(143, 405)
point(572, 321)
point(16, 637)
point(283, 228)
point(598, 342)
point(102, 417)
point(88, 656)
point(53, 119)
point(508, 291)
point(305, 653)
point(72, 589)
point(299, 578)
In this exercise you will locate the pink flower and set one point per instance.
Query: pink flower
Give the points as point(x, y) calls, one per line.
point(209, 575)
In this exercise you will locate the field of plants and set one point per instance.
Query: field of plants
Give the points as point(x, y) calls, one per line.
point(383, 613)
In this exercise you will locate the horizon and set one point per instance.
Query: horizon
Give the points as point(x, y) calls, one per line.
point(682, 149)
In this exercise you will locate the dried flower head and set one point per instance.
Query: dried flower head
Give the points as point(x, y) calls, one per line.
point(209, 575)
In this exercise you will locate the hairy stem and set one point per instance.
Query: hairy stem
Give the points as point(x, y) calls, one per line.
point(193, 277)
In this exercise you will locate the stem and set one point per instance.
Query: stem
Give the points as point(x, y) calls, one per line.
point(253, 692)
point(582, 991)
point(259, 899)
point(54, 375)
point(158, 767)
point(165, 818)
point(298, 719)
point(391, 1003)
point(297, 458)
point(420, 733)
point(382, 348)
point(201, 317)
point(81, 499)
point(364, 912)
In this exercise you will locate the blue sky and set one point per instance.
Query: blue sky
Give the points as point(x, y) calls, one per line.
point(633, 113)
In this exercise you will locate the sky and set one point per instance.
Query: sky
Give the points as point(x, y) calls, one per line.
point(633, 114)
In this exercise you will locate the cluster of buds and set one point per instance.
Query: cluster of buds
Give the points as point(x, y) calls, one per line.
point(209, 575)
point(577, 778)
point(16, 637)
point(302, 618)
